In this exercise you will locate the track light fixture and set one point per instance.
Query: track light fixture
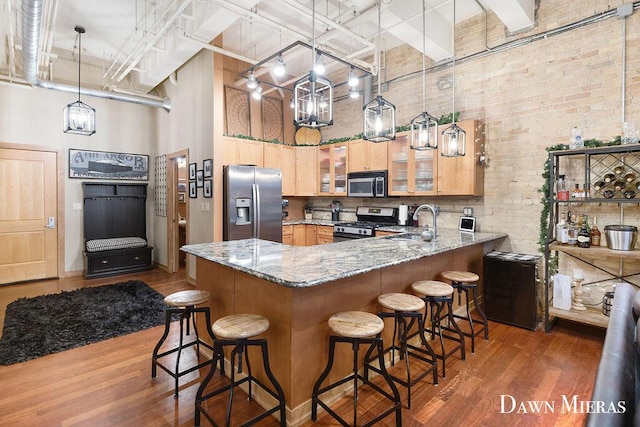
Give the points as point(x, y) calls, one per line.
point(319, 66)
point(352, 80)
point(279, 67)
point(252, 83)
point(257, 93)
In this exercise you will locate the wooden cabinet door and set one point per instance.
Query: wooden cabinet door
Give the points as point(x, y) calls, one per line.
point(299, 235)
point(306, 170)
point(366, 155)
point(378, 156)
point(229, 151)
point(250, 153)
point(310, 235)
point(289, 169)
point(462, 176)
point(358, 155)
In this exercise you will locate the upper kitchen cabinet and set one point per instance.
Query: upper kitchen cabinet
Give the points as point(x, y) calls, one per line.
point(306, 170)
point(238, 151)
point(332, 170)
point(283, 157)
point(463, 176)
point(411, 172)
point(367, 156)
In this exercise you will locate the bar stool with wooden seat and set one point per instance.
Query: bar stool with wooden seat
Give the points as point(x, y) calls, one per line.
point(237, 330)
point(465, 281)
point(406, 308)
point(184, 304)
point(438, 295)
point(356, 328)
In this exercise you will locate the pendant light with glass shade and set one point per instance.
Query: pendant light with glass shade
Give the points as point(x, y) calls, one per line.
point(313, 94)
point(79, 118)
point(379, 114)
point(424, 127)
point(454, 137)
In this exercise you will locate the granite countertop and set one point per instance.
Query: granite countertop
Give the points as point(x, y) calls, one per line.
point(303, 266)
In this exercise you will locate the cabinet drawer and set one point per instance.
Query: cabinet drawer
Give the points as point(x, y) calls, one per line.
point(112, 262)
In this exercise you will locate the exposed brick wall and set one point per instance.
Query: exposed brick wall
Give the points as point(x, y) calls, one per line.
point(529, 97)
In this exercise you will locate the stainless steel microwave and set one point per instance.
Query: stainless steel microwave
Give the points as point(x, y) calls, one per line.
point(367, 184)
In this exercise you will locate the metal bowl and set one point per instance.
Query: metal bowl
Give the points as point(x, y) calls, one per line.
point(621, 237)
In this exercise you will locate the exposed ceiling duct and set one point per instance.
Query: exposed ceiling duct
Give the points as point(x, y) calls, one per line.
point(31, 22)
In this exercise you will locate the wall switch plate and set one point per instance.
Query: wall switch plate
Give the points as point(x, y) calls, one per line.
point(77, 206)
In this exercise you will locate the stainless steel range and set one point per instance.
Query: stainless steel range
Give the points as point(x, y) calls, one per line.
point(369, 219)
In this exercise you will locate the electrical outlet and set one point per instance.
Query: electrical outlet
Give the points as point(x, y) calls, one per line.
point(77, 206)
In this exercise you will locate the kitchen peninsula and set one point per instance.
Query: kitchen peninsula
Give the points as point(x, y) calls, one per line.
point(299, 288)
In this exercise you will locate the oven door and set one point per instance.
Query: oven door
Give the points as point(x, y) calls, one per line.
point(343, 237)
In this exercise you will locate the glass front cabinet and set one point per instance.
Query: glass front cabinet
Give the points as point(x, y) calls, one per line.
point(411, 172)
point(332, 170)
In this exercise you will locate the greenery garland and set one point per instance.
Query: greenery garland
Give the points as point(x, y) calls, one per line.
point(546, 187)
point(443, 120)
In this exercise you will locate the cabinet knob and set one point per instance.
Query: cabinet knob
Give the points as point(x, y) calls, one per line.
point(136, 258)
point(104, 261)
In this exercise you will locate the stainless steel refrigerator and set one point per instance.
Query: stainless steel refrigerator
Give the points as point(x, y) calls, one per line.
point(252, 203)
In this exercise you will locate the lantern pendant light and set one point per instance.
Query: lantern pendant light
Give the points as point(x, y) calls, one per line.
point(424, 127)
point(454, 138)
point(313, 94)
point(379, 114)
point(79, 118)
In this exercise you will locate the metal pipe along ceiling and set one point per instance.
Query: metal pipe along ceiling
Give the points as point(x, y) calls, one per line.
point(31, 20)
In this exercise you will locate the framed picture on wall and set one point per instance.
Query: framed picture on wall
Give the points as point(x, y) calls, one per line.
point(181, 197)
point(182, 187)
point(192, 171)
point(207, 188)
point(193, 190)
point(199, 178)
point(207, 167)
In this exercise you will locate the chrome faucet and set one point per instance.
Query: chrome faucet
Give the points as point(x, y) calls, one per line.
point(434, 211)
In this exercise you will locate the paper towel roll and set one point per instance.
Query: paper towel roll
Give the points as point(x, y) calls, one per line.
point(402, 214)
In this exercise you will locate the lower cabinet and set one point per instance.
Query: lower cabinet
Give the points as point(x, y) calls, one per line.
point(324, 234)
point(307, 234)
point(287, 234)
point(107, 263)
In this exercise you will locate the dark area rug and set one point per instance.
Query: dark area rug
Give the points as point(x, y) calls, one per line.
point(38, 326)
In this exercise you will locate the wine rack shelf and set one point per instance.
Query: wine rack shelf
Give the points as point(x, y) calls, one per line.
point(611, 175)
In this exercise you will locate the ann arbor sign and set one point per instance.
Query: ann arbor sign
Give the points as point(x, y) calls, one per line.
point(108, 165)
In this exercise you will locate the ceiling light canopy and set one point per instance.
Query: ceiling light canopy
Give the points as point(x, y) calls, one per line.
point(79, 118)
point(313, 94)
point(379, 114)
point(424, 127)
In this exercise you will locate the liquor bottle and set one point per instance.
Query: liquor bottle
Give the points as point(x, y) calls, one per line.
point(561, 230)
point(619, 185)
point(599, 185)
point(595, 233)
point(584, 236)
point(576, 192)
point(609, 178)
point(572, 232)
point(562, 192)
point(630, 177)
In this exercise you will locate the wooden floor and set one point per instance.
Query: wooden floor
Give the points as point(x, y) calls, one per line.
point(109, 383)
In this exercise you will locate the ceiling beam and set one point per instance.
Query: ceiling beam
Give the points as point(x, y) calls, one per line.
point(517, 15)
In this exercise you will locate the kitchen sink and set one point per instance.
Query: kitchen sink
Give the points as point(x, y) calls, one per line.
point(406, 236)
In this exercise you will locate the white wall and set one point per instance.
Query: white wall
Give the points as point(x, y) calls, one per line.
point(34, 117)
point(188, 126)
